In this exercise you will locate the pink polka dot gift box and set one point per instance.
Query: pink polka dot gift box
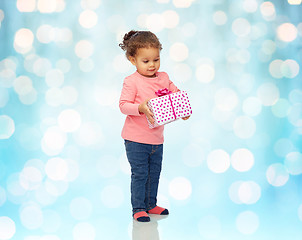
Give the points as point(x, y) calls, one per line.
point(169, 107)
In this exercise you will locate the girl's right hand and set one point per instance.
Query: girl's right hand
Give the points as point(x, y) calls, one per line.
point(143, 108)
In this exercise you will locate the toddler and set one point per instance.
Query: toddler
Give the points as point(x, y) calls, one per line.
point(144, 146)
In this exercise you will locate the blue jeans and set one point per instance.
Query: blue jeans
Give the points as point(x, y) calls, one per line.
point(145, 161)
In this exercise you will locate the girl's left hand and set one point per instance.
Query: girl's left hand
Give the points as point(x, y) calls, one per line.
point(186, 118)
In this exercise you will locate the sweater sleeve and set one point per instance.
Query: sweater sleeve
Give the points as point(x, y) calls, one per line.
point(126, 103)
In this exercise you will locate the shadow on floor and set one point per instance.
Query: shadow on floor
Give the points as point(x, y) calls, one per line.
point(147, 230)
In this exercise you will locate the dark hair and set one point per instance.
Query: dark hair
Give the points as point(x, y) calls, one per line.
point(134, 40)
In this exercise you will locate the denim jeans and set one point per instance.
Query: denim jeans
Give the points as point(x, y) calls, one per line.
point(145, 161)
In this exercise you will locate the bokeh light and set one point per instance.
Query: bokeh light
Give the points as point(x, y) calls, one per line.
point(54, 78)
point(56, 169)
point(69, 120)
point(7, 127)
point(268, 94)
point(26, 5)
point(24, 39)
point(180, 188)
point(179, 52)
point(42, 66)
point(218, 161)
point(53, 141)
point(182, 3)
point(294, 2)
point(241, 27)
point(88, 19)
point(245, 192)
point(84, 49)
point(30, 178)
point(171, 19)
point(268, 10)
point(290, 68)
point(7, 228)
point(31, 216)
point(226, 99)
point(155, 22)
point(242, 160)
point(220, 17)
point(182, 72)
point(205, 73)
point(89, 134)
point(23, 85)
point(250, 6)
point(277, 174)
point(54, 97)
point(287, 32)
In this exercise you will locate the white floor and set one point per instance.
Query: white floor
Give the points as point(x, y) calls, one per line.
point(147, 230)
point(178, 226)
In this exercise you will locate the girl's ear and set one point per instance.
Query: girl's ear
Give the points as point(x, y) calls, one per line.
point(132, 60)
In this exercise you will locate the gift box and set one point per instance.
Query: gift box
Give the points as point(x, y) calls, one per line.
point(169, 107)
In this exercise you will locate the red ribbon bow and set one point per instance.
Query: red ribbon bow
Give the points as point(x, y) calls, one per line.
point(162, 92)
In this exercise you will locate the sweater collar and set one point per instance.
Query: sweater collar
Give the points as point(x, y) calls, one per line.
point(147, 78)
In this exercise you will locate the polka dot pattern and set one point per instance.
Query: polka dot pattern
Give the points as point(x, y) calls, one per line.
point(169, 108)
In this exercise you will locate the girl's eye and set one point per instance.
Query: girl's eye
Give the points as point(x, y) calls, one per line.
point(145, 61)
point(156, 60)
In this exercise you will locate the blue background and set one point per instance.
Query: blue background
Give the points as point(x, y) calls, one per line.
point(232, 171)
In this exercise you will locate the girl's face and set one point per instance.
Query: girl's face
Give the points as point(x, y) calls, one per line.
point(147, 61)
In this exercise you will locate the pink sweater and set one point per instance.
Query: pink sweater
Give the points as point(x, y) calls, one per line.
point(136, 89)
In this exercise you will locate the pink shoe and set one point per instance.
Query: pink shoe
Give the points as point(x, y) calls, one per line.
point(141, 216)
point(158, 210)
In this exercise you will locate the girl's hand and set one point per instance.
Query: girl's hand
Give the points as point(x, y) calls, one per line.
point(186, 118)
point(143, 108)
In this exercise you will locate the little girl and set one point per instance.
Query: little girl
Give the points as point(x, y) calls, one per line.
point(144, 146)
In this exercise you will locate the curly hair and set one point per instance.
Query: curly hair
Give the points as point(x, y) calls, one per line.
point(133, 40)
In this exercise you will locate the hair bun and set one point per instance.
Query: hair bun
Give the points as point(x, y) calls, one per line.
point(126, 39)
point(130, 34)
